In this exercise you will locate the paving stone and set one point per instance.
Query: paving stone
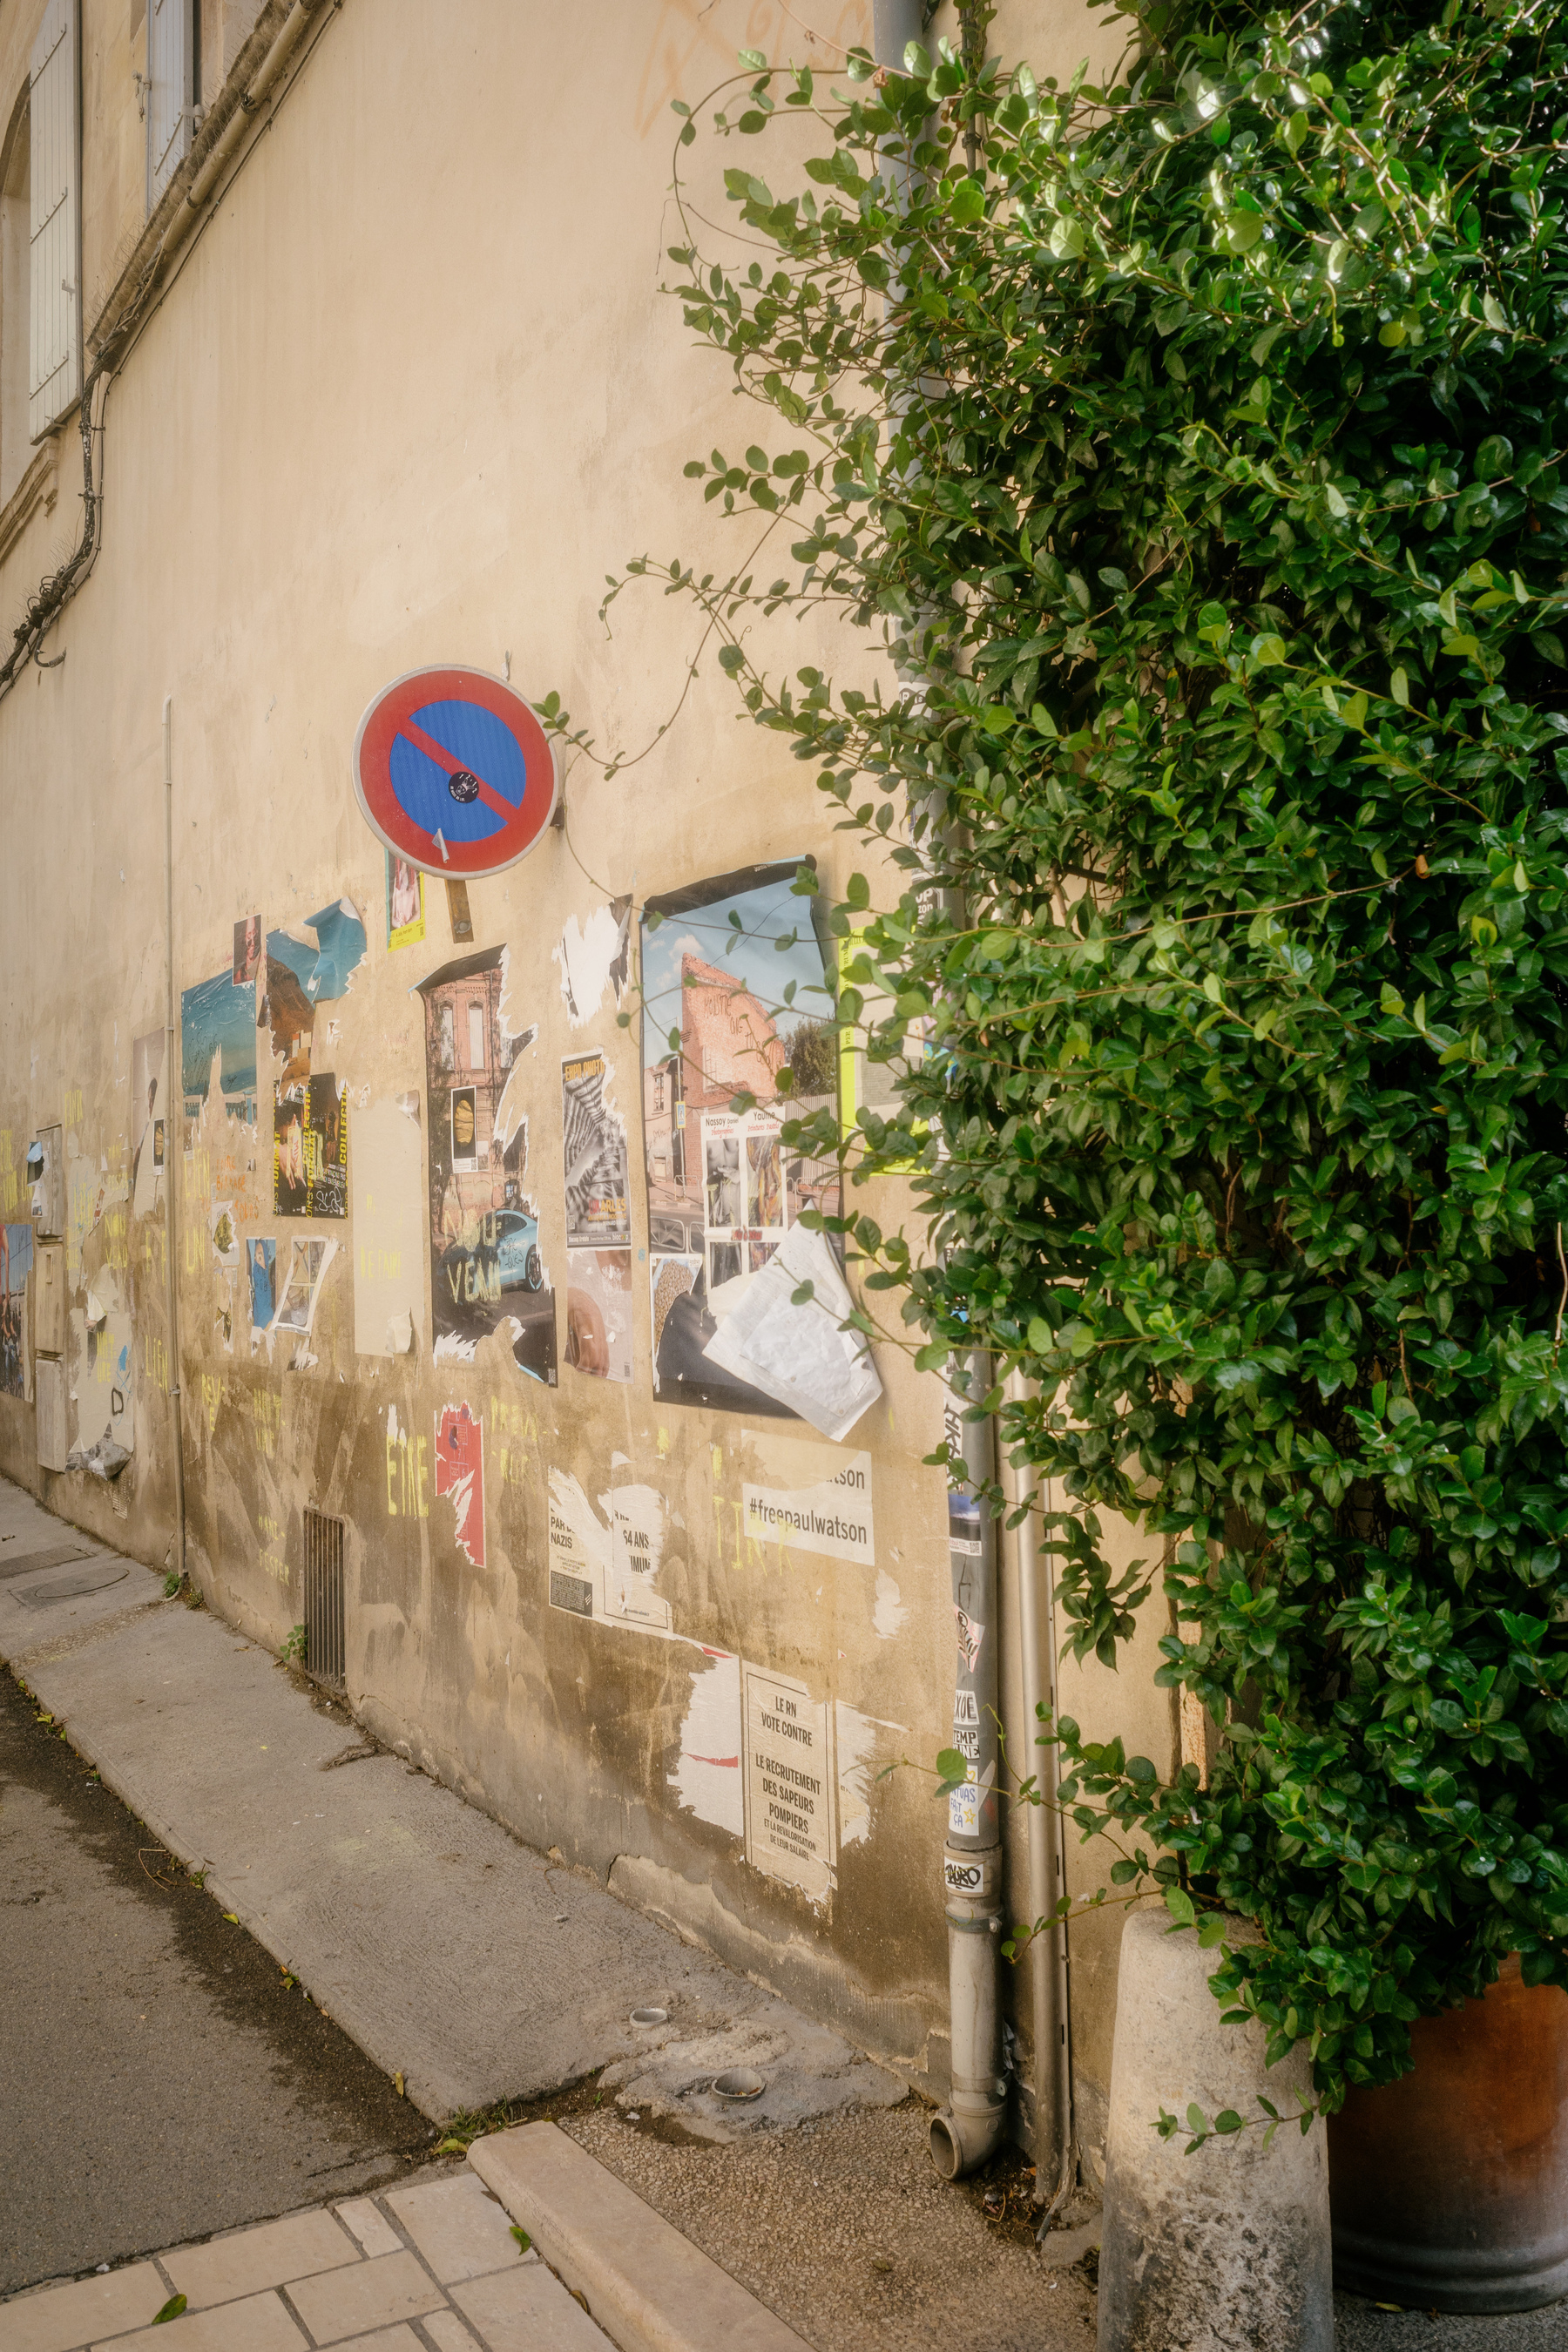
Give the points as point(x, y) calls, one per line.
point(390, 2340)
point(274, 2254)
point(373, 2294)
point(457, 2226)
point(258, 2323)
point(58, 2318)
point(528, 2310)
point(370, 2225)
point(448, 2333)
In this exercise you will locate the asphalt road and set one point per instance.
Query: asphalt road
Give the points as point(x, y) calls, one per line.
point(158, 2077)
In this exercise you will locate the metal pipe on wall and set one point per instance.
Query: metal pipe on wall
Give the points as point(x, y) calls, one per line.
point(172, 1076)
point(968, 2129)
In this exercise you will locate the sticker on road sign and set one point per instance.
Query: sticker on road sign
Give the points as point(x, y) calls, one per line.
point(454, 771)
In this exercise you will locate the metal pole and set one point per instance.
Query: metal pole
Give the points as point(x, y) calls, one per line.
point(170, 1158)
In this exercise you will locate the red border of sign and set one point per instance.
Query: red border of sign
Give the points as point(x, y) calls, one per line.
point(390, 821)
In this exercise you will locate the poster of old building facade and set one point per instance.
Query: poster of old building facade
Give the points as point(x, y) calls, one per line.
point(735, 990)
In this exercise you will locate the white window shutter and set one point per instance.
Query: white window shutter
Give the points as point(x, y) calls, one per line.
point(54, 344)
point(169, 93)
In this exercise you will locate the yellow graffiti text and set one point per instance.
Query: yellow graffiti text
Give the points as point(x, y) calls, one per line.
point(267, 1418)
point(407, 1474)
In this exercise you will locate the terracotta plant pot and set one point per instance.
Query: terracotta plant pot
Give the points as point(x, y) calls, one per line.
point(1449, 2188)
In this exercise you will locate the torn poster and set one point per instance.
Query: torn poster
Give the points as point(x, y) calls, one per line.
point(797, 1353)
point(596, 957)
point(789, 1782)
point(599, 1313)
point(389, 1253)
point(404, 903)
point(261, 1259)
point(226, 1241)
point(724, 1192)
point(310, 1149)
point(146, 1106)
point(593, 1147)
point(855, 1746)
point(307, 965)
point(488, 1271)
point(708, 1771)
point(607, 1568)
point(217, 1022)
point(105, 1398)
point(460, 1474)
point(821, 1502)
point(302, 1287)
point(247, 951)
point(15, 1265)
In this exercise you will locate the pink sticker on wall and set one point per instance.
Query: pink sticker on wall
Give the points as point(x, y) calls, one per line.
point(460, 1473)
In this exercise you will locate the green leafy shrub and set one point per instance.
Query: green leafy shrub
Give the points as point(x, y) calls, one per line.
point(1194, 446)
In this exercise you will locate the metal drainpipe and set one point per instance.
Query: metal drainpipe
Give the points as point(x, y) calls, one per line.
point(1049, 1981)
point(967, 2130)
point(170, 1158)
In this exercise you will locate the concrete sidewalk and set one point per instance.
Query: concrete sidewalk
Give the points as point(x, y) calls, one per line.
point(455, 1957)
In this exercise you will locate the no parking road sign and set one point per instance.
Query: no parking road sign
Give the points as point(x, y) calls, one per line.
point(454, 771)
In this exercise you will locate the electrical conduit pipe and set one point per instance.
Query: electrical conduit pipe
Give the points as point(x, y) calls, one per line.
point(290, 32)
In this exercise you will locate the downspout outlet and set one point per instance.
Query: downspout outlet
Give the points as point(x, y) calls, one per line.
point(968, 2128)
point(963, 2135)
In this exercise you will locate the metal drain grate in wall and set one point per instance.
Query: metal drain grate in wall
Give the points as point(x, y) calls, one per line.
point(323, 1597)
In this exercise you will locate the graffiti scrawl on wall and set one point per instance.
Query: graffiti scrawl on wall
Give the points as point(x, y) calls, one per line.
point(488, 1271)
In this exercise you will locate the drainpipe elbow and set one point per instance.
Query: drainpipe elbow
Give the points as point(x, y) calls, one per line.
point(965, 2134)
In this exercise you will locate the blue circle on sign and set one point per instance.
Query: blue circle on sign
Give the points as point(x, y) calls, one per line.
point(476, 741)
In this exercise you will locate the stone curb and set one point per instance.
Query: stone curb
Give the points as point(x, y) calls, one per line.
point(648, 2286)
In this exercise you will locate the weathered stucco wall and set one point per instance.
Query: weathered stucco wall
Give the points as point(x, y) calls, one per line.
point(412, 395)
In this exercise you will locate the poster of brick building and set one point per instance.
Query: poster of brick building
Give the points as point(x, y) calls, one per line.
point(486, 1263)
point(735, 990)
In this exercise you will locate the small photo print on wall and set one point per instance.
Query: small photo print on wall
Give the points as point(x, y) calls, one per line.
point(261, 1259)
point(247, 951)
point(404, 903)
point(599, 1313)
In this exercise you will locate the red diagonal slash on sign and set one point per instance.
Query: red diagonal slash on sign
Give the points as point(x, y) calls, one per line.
point(414, 734)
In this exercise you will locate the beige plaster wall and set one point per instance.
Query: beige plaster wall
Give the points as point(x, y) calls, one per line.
point(412, 394)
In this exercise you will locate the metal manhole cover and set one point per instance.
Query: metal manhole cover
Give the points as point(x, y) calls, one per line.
point(95, 1579)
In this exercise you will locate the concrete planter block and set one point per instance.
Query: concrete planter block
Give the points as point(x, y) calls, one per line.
point(1227, 2249)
